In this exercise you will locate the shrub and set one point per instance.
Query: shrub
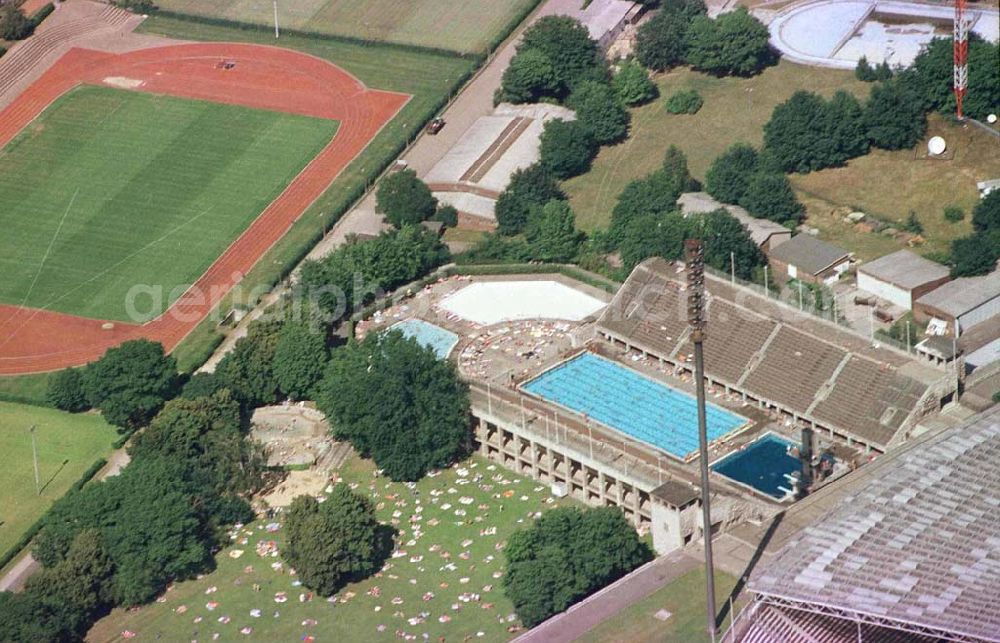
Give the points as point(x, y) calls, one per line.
point(684, 102)
point(954, 214)
point(403, 199)
point(446, 214)
point(632, 84)
point(599, 110)
point(567, 148)
point(66, 391)
point(913, 224)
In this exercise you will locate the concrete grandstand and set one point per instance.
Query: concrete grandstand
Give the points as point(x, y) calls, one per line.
point(769, 353)
point(912, 556)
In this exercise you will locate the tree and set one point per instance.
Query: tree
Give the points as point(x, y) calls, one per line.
point(797, 134)
point(986, 214)
point(567, 45)
point(660, 42)
point(929, 79)
point(727, 243)
point(203, 385)
point(893, 116)
point(529, 78)
point(565, 556)
point(655, 194)
point(14, 25)
point(207, 436)
point(652, 235)
point(66, 391)
point(684, 102)
point(846, 127)
point(528, 187)
point(552, 236)
point(248, 369)
point(403, 198)
point(396, 403)
point(735, 43)
point(494, 248)
point(130, 383)
point(863, 71)
point(336, 542)
point(356, 273)
point(632, 84)
point(976, 254)
point(299, 358)
point(728, 178)
point(599, 110)
point(446, 214)
point(23, 617)
point(769, 195)
point(567, 148)
point(675, 168)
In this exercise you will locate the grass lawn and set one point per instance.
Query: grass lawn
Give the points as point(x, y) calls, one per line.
point(429, 78)
point(735, 110)
point(889, 185)
point(108, 189)
point(424, 590)
point(468, 27)
point(67, 446)
point(27, 389)
point(684, 598)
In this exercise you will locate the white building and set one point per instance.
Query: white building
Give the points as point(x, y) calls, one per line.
point(960, 304)
point(901, 278)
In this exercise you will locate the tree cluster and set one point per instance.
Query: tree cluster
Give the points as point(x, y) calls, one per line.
point(733, 44)
point(529, 188)
point(129, 384)
point(743, 177)
point(333, 543)
point(565, 556)
point(566, 148)
point(978, 253)
point(929, 80)
point(554, 56)
point(868, 73)
point(397, 403)
point(14, 25)
point(807, 133)
point(654, 194)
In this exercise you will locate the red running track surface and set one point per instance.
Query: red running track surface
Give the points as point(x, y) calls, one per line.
point(33, 340)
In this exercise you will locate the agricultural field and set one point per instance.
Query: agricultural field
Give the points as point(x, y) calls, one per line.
point(444, 579)
point(465, 27)
point(428, 77)
point(67, 446)
point(108, 189)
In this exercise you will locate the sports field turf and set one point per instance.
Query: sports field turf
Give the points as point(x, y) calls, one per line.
point(67, 446)
point(445, 580)
point(108, 189)
point(467, 27)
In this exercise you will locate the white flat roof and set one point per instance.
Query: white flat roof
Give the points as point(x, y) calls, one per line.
point(492, 302)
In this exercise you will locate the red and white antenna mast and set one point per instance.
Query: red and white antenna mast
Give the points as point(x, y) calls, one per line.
point(961, 46)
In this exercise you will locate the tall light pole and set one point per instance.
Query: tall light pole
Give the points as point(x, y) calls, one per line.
point(696, 320)
point(276, 33)
point(34, 457)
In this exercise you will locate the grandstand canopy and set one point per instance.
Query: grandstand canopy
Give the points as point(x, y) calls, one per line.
point(913, 544)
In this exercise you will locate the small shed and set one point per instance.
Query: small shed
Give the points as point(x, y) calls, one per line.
point(901, 277)
point(806, 258)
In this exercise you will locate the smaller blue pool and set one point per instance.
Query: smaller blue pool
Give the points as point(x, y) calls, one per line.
point(439, 340)
point(636, 405)
point(762, 465)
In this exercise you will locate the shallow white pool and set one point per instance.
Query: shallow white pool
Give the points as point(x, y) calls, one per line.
point(492, 302)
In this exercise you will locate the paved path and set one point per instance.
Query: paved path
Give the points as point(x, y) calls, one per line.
point(594, 610)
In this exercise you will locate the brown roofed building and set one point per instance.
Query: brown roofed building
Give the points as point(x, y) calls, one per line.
point(806, 258)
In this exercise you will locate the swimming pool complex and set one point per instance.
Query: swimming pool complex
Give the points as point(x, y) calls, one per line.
point(636, 405)
point(438, 339)
point(762, 465)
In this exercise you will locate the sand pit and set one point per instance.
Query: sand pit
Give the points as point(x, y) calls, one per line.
point(492, 302)
point(292, 435)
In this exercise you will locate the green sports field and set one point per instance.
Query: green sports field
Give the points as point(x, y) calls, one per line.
point(466, 27)
point(67, 446)
point(108, 189)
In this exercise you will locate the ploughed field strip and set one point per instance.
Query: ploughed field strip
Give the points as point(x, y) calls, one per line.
point(108, 189)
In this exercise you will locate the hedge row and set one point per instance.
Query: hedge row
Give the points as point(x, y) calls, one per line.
point(33, 530)
point(250, 26)
point(42, 14)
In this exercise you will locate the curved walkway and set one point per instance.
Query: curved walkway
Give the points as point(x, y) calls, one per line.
point(33, 340)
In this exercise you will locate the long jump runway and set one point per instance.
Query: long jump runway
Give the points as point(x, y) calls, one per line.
point(34, 340)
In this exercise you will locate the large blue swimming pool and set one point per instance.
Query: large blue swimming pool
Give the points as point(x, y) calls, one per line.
point(762, 465)
point(634, 404)
point(438, 339)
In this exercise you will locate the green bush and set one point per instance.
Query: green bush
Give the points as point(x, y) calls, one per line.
point(954, 213)
point(42, 14)
point(14, 25)
point(684, 102)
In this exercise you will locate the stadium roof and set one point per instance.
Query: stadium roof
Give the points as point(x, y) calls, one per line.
point(914, 544)
point(958, 297)
point(904, 269)
point(808, 253)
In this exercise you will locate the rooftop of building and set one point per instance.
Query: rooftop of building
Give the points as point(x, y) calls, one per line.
point(810, 254)
point(958, 297)
point(760, 230)
point(904, 269)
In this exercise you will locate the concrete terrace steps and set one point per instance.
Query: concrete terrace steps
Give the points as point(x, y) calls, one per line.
point(22, 58)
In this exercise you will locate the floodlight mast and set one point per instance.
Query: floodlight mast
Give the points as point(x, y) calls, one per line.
point(961, 56)
point(695, 255)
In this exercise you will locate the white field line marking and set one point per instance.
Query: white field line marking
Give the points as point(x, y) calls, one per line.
point(48, 250)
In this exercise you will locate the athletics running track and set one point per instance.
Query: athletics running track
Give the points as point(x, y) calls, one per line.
point(33, 340)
